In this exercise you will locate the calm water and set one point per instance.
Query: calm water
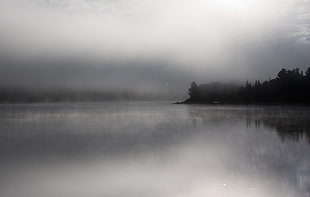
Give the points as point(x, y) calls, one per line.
point(153, 150)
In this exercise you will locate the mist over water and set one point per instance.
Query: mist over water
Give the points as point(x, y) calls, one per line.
point(114, 50)
point(153, 149)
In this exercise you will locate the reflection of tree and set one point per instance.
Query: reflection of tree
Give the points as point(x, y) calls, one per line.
point(289, 123)
point(290, 128)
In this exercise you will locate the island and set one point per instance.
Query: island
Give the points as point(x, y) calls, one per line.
point(291, 86)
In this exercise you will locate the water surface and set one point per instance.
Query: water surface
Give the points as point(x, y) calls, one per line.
point(134, 149)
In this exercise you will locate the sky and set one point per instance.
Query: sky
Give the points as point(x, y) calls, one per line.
point(151, 46)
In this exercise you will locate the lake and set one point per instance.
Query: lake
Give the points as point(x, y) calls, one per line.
point(153, 149)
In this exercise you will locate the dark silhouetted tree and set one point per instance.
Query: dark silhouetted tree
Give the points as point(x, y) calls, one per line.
point(308, 73)
point(193, 92)
point(289, 87)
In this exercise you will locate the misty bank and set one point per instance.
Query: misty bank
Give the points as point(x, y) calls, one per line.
point(290, 87)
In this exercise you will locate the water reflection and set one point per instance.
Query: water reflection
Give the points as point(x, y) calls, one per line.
point(292, 123)
point(153, 149)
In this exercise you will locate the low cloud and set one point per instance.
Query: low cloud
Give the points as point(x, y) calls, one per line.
point(199, 40)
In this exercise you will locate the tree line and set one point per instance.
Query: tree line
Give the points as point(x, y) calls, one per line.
point(289, 87)
point(28, 95)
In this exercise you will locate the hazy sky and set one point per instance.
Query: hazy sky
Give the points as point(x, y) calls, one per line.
point(148, 44)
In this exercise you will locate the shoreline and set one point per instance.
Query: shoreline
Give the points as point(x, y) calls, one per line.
point(244, 104)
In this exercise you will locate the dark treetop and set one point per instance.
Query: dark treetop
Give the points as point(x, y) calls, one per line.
point(289, 87)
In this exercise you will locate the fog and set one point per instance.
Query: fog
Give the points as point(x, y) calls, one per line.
point(149, 46)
